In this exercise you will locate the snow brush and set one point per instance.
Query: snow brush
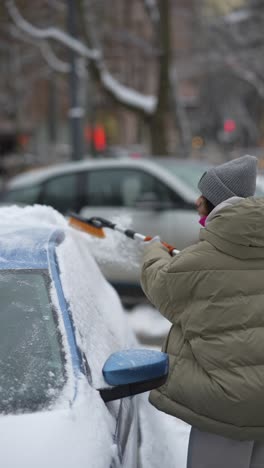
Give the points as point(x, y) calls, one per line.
point(95, 226)
point(87, 225)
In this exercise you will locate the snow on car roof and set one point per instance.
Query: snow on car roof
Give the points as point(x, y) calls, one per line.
point(21, 248)
point(114, 248)
point(24, 235)
point(30, 216)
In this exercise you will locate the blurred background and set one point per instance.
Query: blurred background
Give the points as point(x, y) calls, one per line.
point(93, 78)
point(176, 82)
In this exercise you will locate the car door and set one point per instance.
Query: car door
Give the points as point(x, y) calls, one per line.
point(127, 437)
point(153, 207)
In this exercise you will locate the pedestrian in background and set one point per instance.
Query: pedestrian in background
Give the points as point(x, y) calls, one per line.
point(213, 294)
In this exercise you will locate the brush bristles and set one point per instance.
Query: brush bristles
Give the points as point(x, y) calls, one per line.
point(94, 231)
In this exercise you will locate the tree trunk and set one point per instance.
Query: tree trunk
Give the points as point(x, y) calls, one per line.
point(158, 122)
point(158, 134)
point(180, 115)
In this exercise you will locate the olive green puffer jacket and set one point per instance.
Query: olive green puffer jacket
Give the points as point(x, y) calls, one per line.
point(213, 294)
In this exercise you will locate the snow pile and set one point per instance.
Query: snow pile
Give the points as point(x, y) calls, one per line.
point(145, 320)
point(172, 435)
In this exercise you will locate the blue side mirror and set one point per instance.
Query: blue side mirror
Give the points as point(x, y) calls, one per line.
point(134, 371)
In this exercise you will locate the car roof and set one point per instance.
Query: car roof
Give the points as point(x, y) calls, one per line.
point(153, 165)
point(27, 248)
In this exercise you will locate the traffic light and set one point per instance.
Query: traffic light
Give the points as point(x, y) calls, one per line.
point(229, 126)
point(96, 136)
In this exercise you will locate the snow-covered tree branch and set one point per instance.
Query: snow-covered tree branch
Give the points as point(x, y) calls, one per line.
point(152, 10)
point(49, 56)
point(123, 94)
point(49, 33)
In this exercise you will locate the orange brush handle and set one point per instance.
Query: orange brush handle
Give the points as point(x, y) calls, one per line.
point(168, 246)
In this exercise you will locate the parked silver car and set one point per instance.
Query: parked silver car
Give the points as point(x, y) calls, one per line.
point(156, 195)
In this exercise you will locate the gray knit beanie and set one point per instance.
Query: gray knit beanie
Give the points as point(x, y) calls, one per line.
point(234, 178)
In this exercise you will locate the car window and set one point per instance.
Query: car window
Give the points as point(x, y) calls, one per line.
point(31, 358)
point(124, 188)
point(26, 195)
point(61, 192)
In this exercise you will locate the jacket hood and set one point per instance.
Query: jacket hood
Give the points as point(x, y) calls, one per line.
point(237, 228)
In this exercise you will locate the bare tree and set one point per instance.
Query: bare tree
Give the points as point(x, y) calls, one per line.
point(130, 56)
point(153, 110)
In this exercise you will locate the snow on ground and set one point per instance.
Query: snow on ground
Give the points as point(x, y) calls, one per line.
point(147, 321)
point(172, 434)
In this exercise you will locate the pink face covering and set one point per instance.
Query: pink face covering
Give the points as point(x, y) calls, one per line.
point(202, 220)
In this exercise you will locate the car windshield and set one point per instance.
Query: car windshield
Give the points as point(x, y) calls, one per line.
point(190, 174)
point(31, 357)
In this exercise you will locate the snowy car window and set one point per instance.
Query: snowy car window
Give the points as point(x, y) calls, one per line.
point(31, 358)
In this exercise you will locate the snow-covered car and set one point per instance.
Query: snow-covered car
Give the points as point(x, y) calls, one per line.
point(69, 363)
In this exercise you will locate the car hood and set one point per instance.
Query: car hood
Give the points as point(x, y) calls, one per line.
point(62, 438)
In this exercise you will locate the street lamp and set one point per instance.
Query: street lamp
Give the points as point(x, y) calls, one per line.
point(76, 112)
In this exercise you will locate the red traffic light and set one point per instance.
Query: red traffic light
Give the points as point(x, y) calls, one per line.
point(229, 126)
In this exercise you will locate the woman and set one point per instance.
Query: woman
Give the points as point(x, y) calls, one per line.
point(213, 294)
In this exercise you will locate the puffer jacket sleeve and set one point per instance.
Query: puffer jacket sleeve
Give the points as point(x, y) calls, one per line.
point(164, 279)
